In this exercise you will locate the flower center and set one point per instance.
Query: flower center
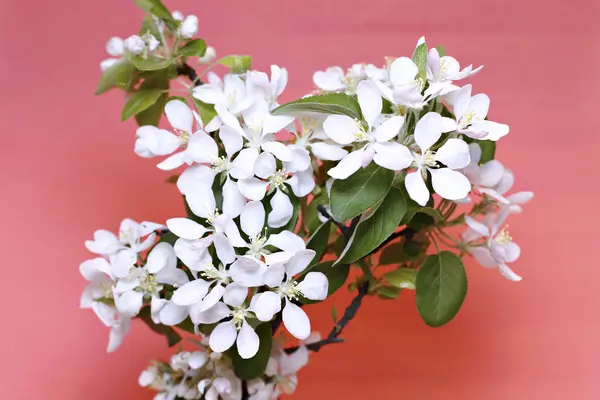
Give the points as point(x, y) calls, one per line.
point(239, 316)
point(107, 290)
point(278, 178)
point(255, 124)
point(211, 273)
point(425, 160)
point(503, 237)
point(399, 109)
point(256, 245)
point(418, 82)
point(467, 119)
point(443, 66)
point(148, 284)
point(290, 290)
point(213, 216)
point(221, 164)
point(307, 124)
point(360, 135)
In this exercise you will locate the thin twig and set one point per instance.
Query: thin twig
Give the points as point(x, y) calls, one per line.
point(323, 211)
point(189, 72)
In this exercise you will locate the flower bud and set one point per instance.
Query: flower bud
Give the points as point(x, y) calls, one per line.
point(208, 56)
point(177, 15)
point(150, 41)
point(109, 62)
point(114, 46)
point(135, 44)
point(189, 27)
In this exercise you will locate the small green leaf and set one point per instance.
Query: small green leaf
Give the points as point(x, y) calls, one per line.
point(238, 64)
point(155, 7)
point(193, 48)
point(403, 278)
point(488, 150)
point(441, 50)
point(334, 314)
point(169, 237)
point(254, 367)
point(375, 227)
point(352, 196)
point(318, 241)
point(402, 252)
point(388, 292)
point(119, 75)
point(168, 332)
point(336, 275)
point(332, 103)
point(441, 288)
point(154, 80)
point(139, 101)
point(151, 63)
point(207, 111)
point(420, 58)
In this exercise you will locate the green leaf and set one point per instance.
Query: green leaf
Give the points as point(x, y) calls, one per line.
point(403, 278)
point(193, 48)
point(168, 332)
point(388, 292)
point(312, 214)
point(441, 50)
point(119, 75)
point(151, 63)
point(402, 252)
point(207, 111)
point(375, 227)
point(441, 288)
point(155, 7)
point(488, 150)
point(318, 241)
point(254, 367)
point(169, 237)
point(332, 103)
point(336, 275)
point(154, 80)
point(359, 192)
point(419, 57)
point(238, 64)
point(334, 314)
point(139, 101)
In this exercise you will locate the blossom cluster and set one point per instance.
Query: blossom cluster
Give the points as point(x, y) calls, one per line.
point(207, 374)
point(250, 169)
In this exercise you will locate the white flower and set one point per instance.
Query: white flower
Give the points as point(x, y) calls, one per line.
point(135, 44)
point(270, 90)
point(122, 250)
point(152, 141)
point(453, 154)
point(330, 80)
point(252, 221)
point(281, 276)
point(223, 231)
point(405, 87)
point(119, 324)
point(312, 137)
point(442, 71)
point(188, 27)
point(470, 113)
point(237, 330)
point(498, 247)
point(146, 282)
point(333, 79)
point(230, 97)
point(344, 130)
point(116, 48)
point(97, 272)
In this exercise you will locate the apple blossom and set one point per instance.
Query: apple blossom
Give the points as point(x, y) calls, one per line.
point(442, 71)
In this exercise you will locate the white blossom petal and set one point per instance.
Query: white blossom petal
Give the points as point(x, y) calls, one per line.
point(417, 190)
point(454, 154)
point(265, 165)
point(186, 228)
point(253, 188)
point(340, 128)
point(449, 184)
point(394, 156)
point(302, 183)
point(403, 71)
point(428, 130)
point(231, 139)
point(314, 286)
point(202, 202)
point(389, 129)
point(296, 321)
point(191, 293)
point(266, 305)
point(161, 256)
point(179, 115)
point(233, 200)
point(281, 210)
point(299, 262)
point(248, 271)
point(286, 241)
point(224, 248)
point(278, 149)
point(210, 316)
point(130, 303)
point(370, 101)
point(274, 275)
point(172, 162)
point(348, 165)
point(223, 336)
point(247, 341)
point(328, 152)
point(172, 314)
point(196, 178)
point(235, 294)
point(213, 296)
point(243, 165)
point(122, 262)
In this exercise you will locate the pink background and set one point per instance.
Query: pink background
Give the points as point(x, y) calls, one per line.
point(68, 168)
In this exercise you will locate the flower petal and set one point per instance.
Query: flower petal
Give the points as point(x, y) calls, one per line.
point(161, 256)
point(247, 271)
point(328, 152)
point(347, 166)
point(449, 184)
point(122, 262)
point(483, 256)
point(417, 190)
point(279, 150)
point(231, 139)
point(129, 303)
point(265, 165)
point(394, 156)
point(243, 165)
point(196, 178)
point(233, 200)
point(389, 129)
point(172, 162)
point(253, 218)
point(314, 286)
point(210, 316)
point(341, 128)
point(247, 341)
point(172, 314)
point(191, 293)
point(302, 183)
point(428, 130)
point(266, 305)
point(224, 248)
point(281, 210)
point(235, 294)
point(491, 173)
point(223, 336)
point(508, 273)
point(210, 94)
point(275, 123)
point(179, 115)
point(253, 188)
point(403, 71)
point(202, 202)
point(186, 228)
point(202, 148)
point(454, 154)
point(274, 275)
point(212, 297)
point(369, 100)
point(477, 226)
point(299, 262)
point(286, 241)
point(296, 321)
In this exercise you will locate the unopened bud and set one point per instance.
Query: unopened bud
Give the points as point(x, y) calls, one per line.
point(151, 41)
point(210, 55)
point(135, 44)
point(114, 46)
point(177, 15)
point(189, 27)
